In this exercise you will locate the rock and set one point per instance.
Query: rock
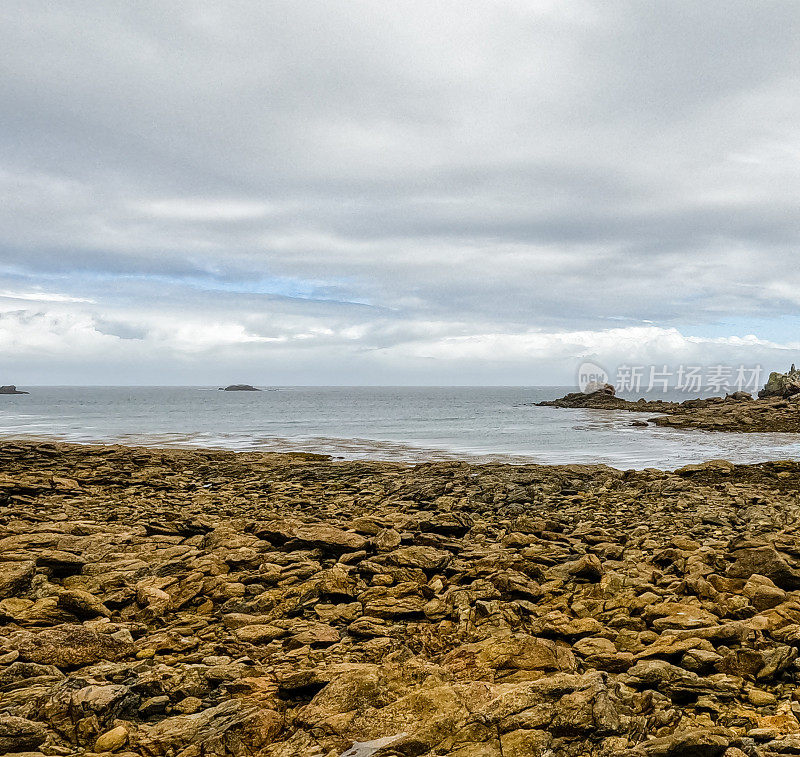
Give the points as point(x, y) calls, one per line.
point(736, 412)
point(587, 567)
point(600, 399)
point(222, 730)
point(218, 603)
point(396, 607)
point(677, 682)
point(762, 592)
point(430, 717)
point(82, 604)
point(259, 633)
point(239, 388)
point(706, 742)
point(601, 653)
point(60, 562)
point(526, 743)
point(112, 741)
point(80, 711)
point(514, 652)
point(326, 538)
point(425, 558)
point(589, 711)
point(20, 734)
point(782, 384)
point(760, 698)
point(677, 615)
point(153, 706)
point(764, 561)
point(11, 389)
point(368, 748)
point(69, 646)
point(16, 577)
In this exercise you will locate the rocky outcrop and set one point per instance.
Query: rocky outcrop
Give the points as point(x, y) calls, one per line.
point(782, 385)
point(737, 412)
point(165, 602)
point(239, 388)
point(11, 389)
point(599, 399)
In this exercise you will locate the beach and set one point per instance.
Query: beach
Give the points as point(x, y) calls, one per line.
point(207, 602)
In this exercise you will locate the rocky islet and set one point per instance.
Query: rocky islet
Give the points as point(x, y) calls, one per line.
point(777, 408)
point(164, 602)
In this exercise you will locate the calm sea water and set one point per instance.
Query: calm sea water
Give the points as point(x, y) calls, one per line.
point(388, 423)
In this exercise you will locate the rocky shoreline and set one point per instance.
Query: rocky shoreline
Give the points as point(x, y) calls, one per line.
point(189, 603)
point(734, 413)
point(777, 408)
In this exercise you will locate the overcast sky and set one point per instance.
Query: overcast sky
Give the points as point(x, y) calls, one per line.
point(432, 192)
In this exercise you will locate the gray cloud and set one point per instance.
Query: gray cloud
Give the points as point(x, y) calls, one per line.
point(352, 178)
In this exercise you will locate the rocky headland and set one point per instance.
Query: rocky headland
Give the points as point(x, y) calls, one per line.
point(777, 408)
point(195, 603)
point(743, 414)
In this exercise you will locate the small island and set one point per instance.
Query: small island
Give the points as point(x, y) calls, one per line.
point(11, 389)
point(239, 388)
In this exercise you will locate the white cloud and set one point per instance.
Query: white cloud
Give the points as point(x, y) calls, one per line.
point(334, 344)
point(42, 297)
point(199, 209)
point(643, 345)
point(53, 335)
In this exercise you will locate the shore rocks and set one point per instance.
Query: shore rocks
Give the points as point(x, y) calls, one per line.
point(599, 399)
point(738, 412)
point(187, 603)
point(69, 646)
point(20, 734)
point(782, 384)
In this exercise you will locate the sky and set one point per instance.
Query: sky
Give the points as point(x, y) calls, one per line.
point(357, 192)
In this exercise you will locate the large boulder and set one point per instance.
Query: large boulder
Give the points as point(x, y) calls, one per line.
point(80, 711)
point(19, 734)
point(69, 646)
point(16, 577)
point(764, 561)
point(231, 729)
point(513, 652)
point(782, 384)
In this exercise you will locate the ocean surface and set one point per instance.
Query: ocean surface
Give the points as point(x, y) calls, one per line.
point(412, 424)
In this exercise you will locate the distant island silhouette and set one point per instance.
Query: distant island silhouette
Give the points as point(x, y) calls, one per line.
point(11, 389)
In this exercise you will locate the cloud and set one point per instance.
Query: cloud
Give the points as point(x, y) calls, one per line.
point(42, 297)
point(199, 209)
point(373, 183)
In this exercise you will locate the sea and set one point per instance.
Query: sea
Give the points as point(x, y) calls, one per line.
point(408, 424)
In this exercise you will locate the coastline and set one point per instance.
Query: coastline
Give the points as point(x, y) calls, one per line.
point(739, 415)
point(280, 604)
point(412, 425)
